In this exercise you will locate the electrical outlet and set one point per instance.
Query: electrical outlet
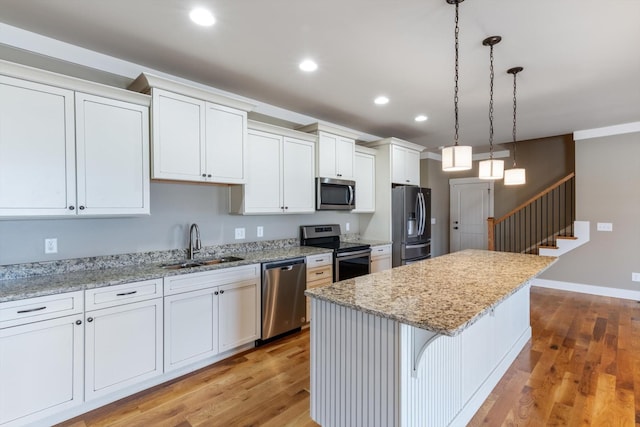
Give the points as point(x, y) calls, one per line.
point(347, 226)
point(260, 231)
point(51, 246)
point(239, 233)
point(635, 277)
point(605, 226)
point(433, 221)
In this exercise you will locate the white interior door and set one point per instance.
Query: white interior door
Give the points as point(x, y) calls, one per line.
point(470, 204)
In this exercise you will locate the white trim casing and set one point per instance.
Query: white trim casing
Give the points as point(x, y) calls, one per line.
point(606, 131)
point(587, 289)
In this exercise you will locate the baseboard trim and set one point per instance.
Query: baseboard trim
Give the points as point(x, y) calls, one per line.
point(587, 289)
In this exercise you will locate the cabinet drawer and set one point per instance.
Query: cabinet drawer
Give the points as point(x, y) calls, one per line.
point(192, 281)
point(110, 296)
point(319, 283)
point(319, 260)
point(380, 250)
point(319, 273)
point(40, 308)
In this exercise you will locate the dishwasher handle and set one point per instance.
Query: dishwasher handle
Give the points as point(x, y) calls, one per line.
point(284, 265)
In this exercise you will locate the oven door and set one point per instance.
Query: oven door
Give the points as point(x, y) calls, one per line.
point(351, 264)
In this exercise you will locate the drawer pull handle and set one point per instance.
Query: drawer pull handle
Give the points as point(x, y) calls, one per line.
point(319, 260)
point(126, 293)
point(32, 310)
point(319, 273)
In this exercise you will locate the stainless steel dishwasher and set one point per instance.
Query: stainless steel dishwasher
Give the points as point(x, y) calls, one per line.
point(283, 300)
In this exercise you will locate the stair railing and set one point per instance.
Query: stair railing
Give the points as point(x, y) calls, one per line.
point(536, 222)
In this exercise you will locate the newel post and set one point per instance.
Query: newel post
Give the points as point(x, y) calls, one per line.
point(491, 226)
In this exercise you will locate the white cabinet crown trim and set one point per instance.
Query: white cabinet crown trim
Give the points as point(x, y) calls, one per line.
point(72, 83)
point(325, 127)
point(395, 141)
point(145, 81)
point(279, 130)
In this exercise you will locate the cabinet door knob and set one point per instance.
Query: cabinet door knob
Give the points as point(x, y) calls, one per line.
point(81, 208)
point(209, 176)
point(286, 207)
point(204, 175)
point(90, 319)
point(407, 180)
point(339, 174)
point(222, 292)
point(71, 207)
point(78, 322)
point(216, 293)
point(455, 228)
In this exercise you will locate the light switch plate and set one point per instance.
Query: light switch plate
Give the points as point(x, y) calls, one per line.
point(239, 233)
point(605, 226)
point(260, 231)
point(635, 277)
point(433, 221)
point(347, 226)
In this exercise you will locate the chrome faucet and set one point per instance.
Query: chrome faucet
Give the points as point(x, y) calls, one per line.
point(194, 245)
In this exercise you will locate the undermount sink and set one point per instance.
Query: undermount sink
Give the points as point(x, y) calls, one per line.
point(200, 263)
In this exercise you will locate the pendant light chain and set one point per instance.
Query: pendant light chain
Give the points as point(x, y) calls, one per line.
point(515, 145)
point(455, 91)
point(491, 103)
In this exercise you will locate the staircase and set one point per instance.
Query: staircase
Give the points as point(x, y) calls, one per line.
point(544, 224)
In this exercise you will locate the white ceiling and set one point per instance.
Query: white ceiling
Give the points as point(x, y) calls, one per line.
point(581, 58)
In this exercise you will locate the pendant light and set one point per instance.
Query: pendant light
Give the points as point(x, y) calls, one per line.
point(492, 168)
point(515, 175)
point(456, 157)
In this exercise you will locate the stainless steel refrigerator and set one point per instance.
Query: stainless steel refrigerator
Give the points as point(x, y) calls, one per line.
point(410, 224)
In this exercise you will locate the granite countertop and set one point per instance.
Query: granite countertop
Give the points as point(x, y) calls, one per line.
point(445, 294)
point(49, 284)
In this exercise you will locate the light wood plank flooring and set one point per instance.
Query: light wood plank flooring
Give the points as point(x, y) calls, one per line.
point(578, 370)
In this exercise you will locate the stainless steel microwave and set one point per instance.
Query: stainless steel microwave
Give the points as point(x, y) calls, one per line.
point(335, 194)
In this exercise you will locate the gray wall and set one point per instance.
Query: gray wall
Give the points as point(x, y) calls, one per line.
point(607, 190)
point(546, 160)
point(173, 208)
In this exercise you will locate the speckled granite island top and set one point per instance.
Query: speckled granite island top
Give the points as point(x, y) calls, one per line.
point(444, 295)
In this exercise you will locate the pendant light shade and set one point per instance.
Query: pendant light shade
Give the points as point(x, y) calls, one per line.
point(492, 168)
point(456, 157)
point(515, 175)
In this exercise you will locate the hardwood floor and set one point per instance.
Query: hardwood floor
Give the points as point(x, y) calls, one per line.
point(579, 369)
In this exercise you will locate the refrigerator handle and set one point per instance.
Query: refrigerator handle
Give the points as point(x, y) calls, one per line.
point(422, 214)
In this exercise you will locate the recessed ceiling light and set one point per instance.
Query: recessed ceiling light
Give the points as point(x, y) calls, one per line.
point(308, 65)
point(202, 17)
point(421, 118)
point(381, 100)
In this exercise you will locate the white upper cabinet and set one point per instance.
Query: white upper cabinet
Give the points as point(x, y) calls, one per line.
point(70, 147)
point(365, 177)
point(37, 149)
point(112, 146)
point(335, 156)
point(198, 135)
point(335, 152)
point(405, 165)
point(280, 173)
point(178, 136)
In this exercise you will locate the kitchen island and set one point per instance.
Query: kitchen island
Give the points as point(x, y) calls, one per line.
point(422, 344)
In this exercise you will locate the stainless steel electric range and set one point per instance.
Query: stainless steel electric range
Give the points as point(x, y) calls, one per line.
point(350, 259)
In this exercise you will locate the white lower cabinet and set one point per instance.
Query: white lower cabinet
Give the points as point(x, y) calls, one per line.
point(191, 327)
point(220, 311)
point(123, 346)
point(123, 336)
point(380, 258)
point(41, 358)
